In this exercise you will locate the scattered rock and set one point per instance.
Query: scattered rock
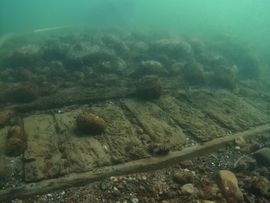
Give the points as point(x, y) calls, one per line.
point(259, 185)
point(263, 156)
point(90, 123)
point(225, 77)
point(149, 87)
point(5, 116)
point(173, 48)
point(150, 67)
point(159, 149)
point(187, 163)
point(193, 73)
point(16, 141)
point(134, 200)
point(184, 177)
point(25, 92)
point(189, 189)
point(2, 167)
point(22, 58)
point(229, 186)
point(240, 141)
point(207, 201)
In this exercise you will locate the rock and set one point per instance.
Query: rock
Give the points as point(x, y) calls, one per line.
point(173, 48)
point(2, 167)
point(193, 73)
point(134, 200)
point(207, 201)
point(115, 43)
point(189, 189)
point(187, 163)
point(225, 77)
point(229, 186)
point(5, 116)
point(240, 141)
point(259, 185)
point(90, 123)
point(183, 177)
point(149, 87)
point(159, 149)
point(54, 50)
point(209, 189)
point(15, 142)
point(150, 67)
point(24, 92)
point(176, 68)
point(22, 58)
point(263, 156)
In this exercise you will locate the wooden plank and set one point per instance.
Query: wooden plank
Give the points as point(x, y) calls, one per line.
point(42, 158)
point(228, 110)
point(191, 120)
point(156, 123)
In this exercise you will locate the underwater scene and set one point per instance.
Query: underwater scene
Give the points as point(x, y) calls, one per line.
point(135, 101)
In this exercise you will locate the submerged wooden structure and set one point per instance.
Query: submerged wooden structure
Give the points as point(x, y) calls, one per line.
point(188, 123)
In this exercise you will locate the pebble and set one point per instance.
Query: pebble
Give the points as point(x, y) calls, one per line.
point(263, 156)
point(207, 201)
point(187, 163)
point(240, 141)
point(183, 177)
point(189, 189)
point(134, 200)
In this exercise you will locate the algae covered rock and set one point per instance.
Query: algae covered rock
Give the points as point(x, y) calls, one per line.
point(5, 116)
point(149, 87)
point(149, 67)
point(229, 186)
point(16, 141)
point(193, 73)
point(225, 77)
point(24, 92)
point(90, 123)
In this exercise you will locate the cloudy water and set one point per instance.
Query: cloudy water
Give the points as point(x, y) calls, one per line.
point(248, 18)
point(98, 88)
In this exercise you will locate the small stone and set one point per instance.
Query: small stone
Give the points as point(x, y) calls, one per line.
point(263, 156)
point(237, 148)
point(189, 189)
point(183, 177)
point(5, 116)
point(144, 177)
point(207, 201)
point(229, 186)
point(103, 186)
point(16, 141)
point(134, 200)
point(187, 163)
point(116, 192)
point(240, 141)
point(3, 171)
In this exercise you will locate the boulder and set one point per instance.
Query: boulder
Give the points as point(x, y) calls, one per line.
point(229, 186)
